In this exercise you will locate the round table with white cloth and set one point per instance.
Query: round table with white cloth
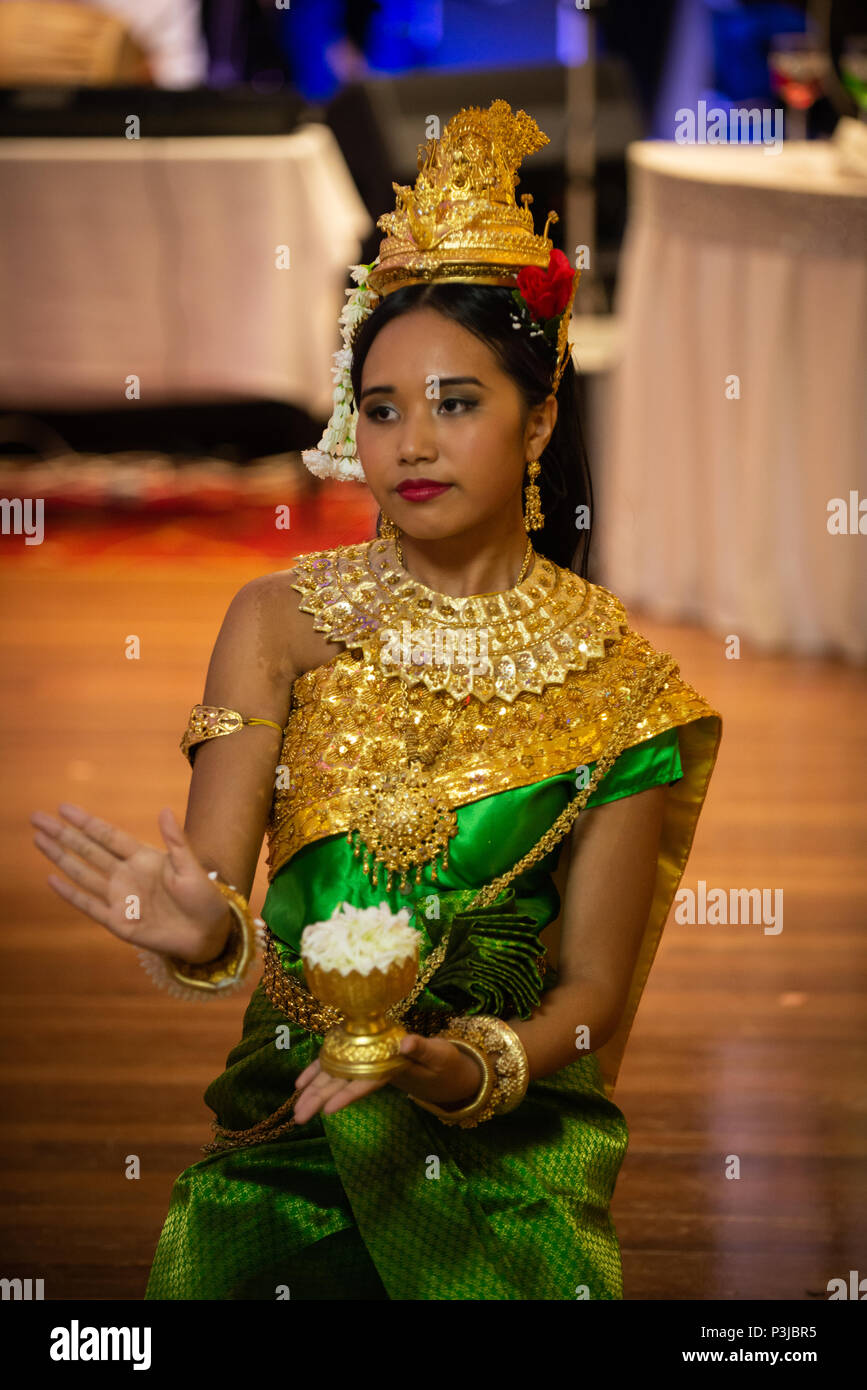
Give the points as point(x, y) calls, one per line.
point(160, 259)
point(737, 410)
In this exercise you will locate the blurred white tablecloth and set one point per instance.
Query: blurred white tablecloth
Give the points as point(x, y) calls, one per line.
point(158, 258)
point(740, 263)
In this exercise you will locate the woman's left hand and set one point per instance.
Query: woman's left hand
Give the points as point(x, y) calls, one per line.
point(434, 1070)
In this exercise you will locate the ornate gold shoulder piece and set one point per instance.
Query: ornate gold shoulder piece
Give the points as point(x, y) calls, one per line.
point(491, 646)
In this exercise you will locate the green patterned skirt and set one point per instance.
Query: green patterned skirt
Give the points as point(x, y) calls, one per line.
point(381, 1200)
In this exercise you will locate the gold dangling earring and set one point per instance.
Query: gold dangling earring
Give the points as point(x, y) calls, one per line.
point(388, 529)
point(533, 517)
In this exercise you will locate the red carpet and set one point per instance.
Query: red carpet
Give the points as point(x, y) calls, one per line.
point(211, 529)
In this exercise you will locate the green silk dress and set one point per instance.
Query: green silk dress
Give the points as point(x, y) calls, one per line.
point(381, 1200)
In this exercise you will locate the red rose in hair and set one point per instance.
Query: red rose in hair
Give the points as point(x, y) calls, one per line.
point(546, 292)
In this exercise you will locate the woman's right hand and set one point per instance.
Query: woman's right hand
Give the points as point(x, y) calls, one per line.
point(160, 900)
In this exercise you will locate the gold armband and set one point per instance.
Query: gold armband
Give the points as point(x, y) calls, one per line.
point(211, 721)
point(213, 978)
point(504, 1060)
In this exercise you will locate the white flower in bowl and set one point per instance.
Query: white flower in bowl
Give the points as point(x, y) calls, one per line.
point(360, 938)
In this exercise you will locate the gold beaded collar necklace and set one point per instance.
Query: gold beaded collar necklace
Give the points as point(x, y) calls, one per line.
point(490, 646)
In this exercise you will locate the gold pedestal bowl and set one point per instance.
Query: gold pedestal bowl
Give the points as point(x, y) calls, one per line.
point(366, 1044)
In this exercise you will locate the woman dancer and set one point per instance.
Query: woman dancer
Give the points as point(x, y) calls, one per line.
point(467, 727)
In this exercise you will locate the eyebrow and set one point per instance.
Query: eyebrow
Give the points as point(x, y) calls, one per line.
point(443, 381)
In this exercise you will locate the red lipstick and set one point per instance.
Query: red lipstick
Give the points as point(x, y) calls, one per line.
point(419, 489)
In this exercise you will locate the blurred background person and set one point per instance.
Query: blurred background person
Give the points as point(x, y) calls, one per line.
point(150, 41)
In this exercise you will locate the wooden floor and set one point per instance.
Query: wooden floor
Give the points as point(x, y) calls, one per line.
point(746, 1044)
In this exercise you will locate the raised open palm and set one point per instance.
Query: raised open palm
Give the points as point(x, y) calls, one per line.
point(162, 900)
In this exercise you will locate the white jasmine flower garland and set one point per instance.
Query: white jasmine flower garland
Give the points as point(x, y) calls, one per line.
point(362, 939)
point(336, 455)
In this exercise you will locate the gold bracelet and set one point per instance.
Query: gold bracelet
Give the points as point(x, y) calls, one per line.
point(213, 978)
point(212, 721)
point(480, 1099)
point(505, 1061)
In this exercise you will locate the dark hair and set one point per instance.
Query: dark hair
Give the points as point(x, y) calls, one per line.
point(564, 481)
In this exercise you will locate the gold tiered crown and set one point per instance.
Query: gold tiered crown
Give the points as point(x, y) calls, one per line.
point(461, 221)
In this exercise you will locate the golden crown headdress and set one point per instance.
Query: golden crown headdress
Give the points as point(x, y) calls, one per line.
point(460, 222)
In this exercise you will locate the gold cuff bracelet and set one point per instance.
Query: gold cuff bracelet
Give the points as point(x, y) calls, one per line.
point(504, 1058)
point(213, 978)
